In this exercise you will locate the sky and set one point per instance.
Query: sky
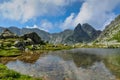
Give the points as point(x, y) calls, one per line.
point(57, 15)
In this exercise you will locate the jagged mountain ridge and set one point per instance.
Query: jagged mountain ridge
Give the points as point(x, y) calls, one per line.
point(81, 33)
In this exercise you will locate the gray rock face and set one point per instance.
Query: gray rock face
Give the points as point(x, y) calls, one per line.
point(34, 37)
point(92, 33)
point(20, 45)
point(57, 38)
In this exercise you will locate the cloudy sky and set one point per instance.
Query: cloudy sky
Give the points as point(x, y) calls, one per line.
point(57, 15)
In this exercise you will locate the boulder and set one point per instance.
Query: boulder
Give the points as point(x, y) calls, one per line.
point(20, 45)
point(34, 37)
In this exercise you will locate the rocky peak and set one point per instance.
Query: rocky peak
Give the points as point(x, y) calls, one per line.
point(87, 27)
point(78, 27)
point(93, 33)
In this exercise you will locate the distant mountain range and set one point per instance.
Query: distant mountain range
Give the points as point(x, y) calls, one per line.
point(81, 33)
point(44, 35)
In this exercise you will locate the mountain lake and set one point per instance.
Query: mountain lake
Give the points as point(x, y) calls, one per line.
point(74, 64)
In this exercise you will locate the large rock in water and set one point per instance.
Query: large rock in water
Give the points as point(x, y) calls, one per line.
point(34, 37)
point(7, 34)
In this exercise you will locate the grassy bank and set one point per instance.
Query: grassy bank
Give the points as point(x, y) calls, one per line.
point(9, 52)
point(6, 74)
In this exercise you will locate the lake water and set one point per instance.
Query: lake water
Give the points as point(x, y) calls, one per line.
point(75, 64)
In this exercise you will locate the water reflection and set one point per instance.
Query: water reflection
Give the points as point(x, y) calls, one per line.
point(77, 64)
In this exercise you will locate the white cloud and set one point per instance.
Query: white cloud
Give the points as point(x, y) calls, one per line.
point(94, 12)
point(18, 9)
point(35, 26)
point(46, 25)
point(98, 13)
point(25, 10)
point(108, 21)
point(68, 22)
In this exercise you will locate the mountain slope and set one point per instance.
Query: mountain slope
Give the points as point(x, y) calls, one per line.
point(57, 38)
point(112, 32)
point(92, 33)
point(1, 29)
point(15, 30)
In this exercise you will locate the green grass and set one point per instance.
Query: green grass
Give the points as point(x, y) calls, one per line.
point(6, 74)
point(9, 52)
point(117, 36)
point(50, 47)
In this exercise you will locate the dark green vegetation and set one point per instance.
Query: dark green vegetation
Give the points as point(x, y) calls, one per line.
point(117, 36)
point(10, 53)
point(6, 74)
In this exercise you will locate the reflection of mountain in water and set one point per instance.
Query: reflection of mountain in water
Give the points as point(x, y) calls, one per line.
point(62, 65)
point(80, 59)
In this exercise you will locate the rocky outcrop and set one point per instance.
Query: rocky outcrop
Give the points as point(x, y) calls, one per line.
point(20, 45)
point(7, 34)
point(33, 36)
